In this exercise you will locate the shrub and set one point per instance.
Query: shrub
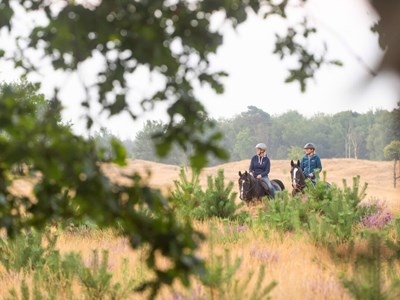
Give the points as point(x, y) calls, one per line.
point(222, 283)
point(339, 213)
point(187, 192)
point(283, 215)
point(218, 200)
point(371, 278)
point(26, 252)
point(54, 280)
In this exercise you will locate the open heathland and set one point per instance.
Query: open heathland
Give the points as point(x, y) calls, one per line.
point(378, 175)
point(248, 261)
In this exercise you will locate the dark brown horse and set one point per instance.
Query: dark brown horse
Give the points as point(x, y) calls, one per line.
point(297, 177)
point(251, 188)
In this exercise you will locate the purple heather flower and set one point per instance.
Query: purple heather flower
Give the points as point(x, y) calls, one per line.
point(264, 255)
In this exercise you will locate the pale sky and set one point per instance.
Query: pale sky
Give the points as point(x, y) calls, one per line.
point(257, 76)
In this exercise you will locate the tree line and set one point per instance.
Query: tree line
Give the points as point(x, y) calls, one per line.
point(345, 134)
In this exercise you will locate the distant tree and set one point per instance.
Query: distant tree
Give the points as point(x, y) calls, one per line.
point(395, 123)
point(143, 147)
point(289, 129)
point(244, 146)
point(104, 141)
point(363, 125)
point(256, 123)
point(295, 153)
point(345, 119)
point(320, 131)
point(259, 123)
point(379, 135)
point(229, 129)
point(392, 152)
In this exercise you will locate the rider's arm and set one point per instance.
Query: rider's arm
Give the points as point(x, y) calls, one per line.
point(267, 168)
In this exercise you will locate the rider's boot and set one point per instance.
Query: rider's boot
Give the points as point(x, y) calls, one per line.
point(272, 192)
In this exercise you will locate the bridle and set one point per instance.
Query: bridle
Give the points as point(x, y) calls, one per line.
point(252, 185)
point(297, 185)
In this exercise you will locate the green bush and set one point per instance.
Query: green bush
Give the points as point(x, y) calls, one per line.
point(329, 215)
point(55, 278)
point(26, 252)
point(218, 200)
point(221, 282)
point(373, 276)
point(340, 213)
point(187, 192)
point(283, 215)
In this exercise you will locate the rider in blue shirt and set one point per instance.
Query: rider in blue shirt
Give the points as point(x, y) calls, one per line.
point(311, 163)
point(260, 166)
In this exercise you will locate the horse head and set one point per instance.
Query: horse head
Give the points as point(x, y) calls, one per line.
point(297, 177)
point(246, 184)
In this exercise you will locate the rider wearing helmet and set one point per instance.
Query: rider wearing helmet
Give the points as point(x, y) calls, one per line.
point(311, 163)
point(260, 166)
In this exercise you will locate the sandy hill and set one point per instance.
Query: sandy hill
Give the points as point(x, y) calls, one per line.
point(378, 175)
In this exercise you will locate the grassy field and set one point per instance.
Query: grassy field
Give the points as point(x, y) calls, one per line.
point(378, 175)
point(301, 268)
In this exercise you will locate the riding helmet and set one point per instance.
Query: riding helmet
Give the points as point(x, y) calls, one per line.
point(309, 146)
point(261, 146)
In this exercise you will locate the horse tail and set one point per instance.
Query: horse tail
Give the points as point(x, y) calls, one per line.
point(280, 183)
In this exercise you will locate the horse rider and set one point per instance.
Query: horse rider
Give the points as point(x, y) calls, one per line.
point(311, 163)
point(260, 166)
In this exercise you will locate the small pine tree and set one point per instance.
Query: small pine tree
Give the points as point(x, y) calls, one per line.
point(186, 193)
point(217, 200)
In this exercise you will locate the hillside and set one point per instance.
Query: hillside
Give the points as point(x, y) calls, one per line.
point(378, 175)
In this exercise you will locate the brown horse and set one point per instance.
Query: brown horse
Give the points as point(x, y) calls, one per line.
point(251, 188)
point(297, 177)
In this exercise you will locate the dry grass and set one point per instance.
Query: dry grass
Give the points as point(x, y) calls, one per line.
point(289, 260)
point(301, 269)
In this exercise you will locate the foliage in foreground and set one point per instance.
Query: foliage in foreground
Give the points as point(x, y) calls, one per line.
point(69, 185)
point(222, 282)
point(53, 276)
